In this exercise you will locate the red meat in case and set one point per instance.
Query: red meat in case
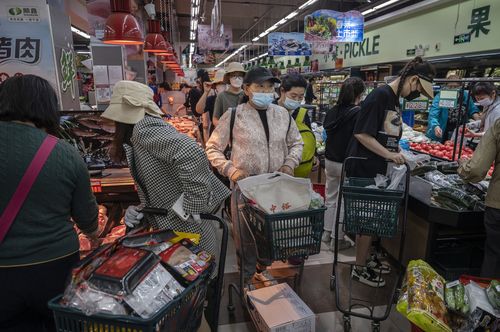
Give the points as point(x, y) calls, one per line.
point(124, 270)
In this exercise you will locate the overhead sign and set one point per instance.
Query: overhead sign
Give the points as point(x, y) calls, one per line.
point(208, 40)
point(292, 43)
point(463, 38)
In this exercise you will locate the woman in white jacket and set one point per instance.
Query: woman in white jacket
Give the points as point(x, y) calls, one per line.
point(263, 139)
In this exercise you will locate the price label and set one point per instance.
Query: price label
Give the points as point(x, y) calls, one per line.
point(448, 98)
point(96, 185)
point(416, 105)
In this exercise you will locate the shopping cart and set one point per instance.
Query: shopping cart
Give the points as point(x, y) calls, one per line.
point(374, 212)
point(277, 237)
point(182, 314)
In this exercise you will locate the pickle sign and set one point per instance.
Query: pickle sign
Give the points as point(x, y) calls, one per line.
point(369, 46)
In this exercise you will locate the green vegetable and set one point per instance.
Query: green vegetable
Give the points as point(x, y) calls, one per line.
point(449, 295)
point(493, 292)
point(459, 296)
point(458, 197)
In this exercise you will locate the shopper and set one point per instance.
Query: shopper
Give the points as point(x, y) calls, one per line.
point(486, 95)
point(376, 137)
point(474, 170)
point(196, 92)
point(292, 90)
point(233, 95)
point(265, 139)
point(310, 96)
point(339, 126)
point(164, 163)
point(38, 245)
point(206, 104)
point(443, 121)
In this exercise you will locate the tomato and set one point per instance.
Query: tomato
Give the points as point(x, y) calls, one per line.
point(439, 154)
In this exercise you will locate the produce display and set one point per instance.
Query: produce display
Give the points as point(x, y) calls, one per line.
point(412, 135)
point(423, 304)
point(443, 151)
point(184, 125)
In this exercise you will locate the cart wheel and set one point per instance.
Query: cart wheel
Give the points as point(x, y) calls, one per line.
point(332, 283)
point(347, 323)
point(230, 309)
point(375, 326)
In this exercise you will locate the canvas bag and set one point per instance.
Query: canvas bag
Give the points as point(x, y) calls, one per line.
point(277, 192)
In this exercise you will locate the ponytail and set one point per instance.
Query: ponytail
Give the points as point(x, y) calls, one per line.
point(351, 89)
point(415, 67)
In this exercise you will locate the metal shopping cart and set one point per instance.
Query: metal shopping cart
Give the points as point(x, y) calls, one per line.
point(182, 314)
point(374, 212)
point(277, 237)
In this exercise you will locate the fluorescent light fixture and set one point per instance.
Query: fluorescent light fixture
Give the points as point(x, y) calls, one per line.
point(290, 16)
point(263, 34)
point(255, 39)
point(83, 52)
point(258, 57)
point(368, 11)
point(283, 20)
point(80, 32)
point(385, 4)
point(307, 3)
point(232, 54)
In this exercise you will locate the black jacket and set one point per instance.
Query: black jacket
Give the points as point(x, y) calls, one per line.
point(339, 125)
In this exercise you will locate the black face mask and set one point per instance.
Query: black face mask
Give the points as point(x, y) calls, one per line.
point(413, 95)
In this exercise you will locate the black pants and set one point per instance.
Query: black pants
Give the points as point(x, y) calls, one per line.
point(26, 290)
point(491, 262)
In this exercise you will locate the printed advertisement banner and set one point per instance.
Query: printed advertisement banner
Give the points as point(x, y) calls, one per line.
point(208, 40)
point(292, 43)
point(324, 28)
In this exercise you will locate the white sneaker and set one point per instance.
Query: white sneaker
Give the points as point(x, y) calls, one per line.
point(266, 278)
point(377, 266)
point(367, 276)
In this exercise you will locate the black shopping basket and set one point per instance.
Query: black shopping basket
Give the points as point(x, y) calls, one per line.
point(370, 211)
point(283, 235)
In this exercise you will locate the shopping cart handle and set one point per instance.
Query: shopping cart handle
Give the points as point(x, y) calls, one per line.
point(150, 210)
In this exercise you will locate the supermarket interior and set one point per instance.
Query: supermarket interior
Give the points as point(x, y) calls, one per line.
point(250, 165)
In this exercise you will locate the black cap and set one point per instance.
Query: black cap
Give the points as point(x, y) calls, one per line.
point(259, 75)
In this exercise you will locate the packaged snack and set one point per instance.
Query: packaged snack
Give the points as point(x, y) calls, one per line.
point(123, 271)
point(426, 305)
point(493, 292)
point(187, 260)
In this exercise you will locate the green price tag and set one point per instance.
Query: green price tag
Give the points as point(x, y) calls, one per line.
point(416, 105)
point(448, 98)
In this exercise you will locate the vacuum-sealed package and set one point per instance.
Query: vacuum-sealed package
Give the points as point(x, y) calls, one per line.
point(156, 290)
point(187, 260)
point(91, 301)
point(123, 271)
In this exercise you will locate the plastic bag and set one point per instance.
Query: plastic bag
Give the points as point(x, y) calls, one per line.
point(91, 301)
point(397, 175)
point(426, 305)
point(415, 160)
point(317, 201)
point(438, 179)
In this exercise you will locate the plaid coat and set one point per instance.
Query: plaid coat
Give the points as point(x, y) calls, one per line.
point(165, 164)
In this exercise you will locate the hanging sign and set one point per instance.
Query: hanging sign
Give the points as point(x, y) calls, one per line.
point(209, 40)
point(448, 98)
point(416, 105)
point(291, 43)
point(324, 28)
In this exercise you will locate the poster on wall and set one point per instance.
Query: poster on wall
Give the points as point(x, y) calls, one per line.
point(288, 43)
point(324, 28)
point(25, 40)
point(208, 40)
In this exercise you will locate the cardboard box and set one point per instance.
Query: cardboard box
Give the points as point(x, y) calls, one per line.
point(279, 309)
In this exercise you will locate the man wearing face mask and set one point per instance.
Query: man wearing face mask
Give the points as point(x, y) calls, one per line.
point(233, 95)
point(376, 137)
point(292, 90)
point(486, 96)
point(265, 139)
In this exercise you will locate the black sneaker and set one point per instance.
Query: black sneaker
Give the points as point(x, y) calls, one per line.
point(367, 276)
point(376, 265)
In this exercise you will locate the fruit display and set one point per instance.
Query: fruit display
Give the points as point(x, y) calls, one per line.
point(184, 125)
point(413, 135)
point(443, 151)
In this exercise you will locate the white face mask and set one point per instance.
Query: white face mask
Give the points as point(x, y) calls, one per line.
point(236, 82)
point(485, 102)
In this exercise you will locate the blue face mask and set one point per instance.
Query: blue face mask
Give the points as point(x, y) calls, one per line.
point(291, 104)
point(262, 100)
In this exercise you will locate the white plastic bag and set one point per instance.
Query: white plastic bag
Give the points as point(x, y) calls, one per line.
point(277, 192)
point(397, 175)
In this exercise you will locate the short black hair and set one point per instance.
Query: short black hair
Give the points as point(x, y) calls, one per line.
point(293, 81)
point(483, 88)
point(184, 85)
point(351, 89)
point(29, 98)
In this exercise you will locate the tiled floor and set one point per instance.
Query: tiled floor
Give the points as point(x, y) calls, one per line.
point(315, 292)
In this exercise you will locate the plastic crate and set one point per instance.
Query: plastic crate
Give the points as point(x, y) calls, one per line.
point(182, 314)
point(370, 211)
point(283, 235)
point(454, 262)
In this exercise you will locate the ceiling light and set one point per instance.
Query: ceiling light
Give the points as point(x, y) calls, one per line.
point(83, 52)
point(307, 3)
point(385, 4)
point(80, 32)
point(290, 16)
point(122, 27)
point(368, 11)
point(154, 43)
point(255, 39)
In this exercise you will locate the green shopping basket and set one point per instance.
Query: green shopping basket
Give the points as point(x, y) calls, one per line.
point(284, 235)
point(182, 314)
point(370, 211)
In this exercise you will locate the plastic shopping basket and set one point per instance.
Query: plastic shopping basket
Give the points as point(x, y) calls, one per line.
point(283, 235)
point(370, 211)
point(182, 314)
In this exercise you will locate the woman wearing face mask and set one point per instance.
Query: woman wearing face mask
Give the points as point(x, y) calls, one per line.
point(233, 95)
point(265, 139)
point(206, 104)
point(292, 90)
point(376, 137)
point(486, 95)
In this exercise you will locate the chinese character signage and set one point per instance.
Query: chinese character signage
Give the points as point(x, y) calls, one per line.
point(292, 43)
point(25, 40)
point(479, 21)
point(324, 28)
point(208, 40)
